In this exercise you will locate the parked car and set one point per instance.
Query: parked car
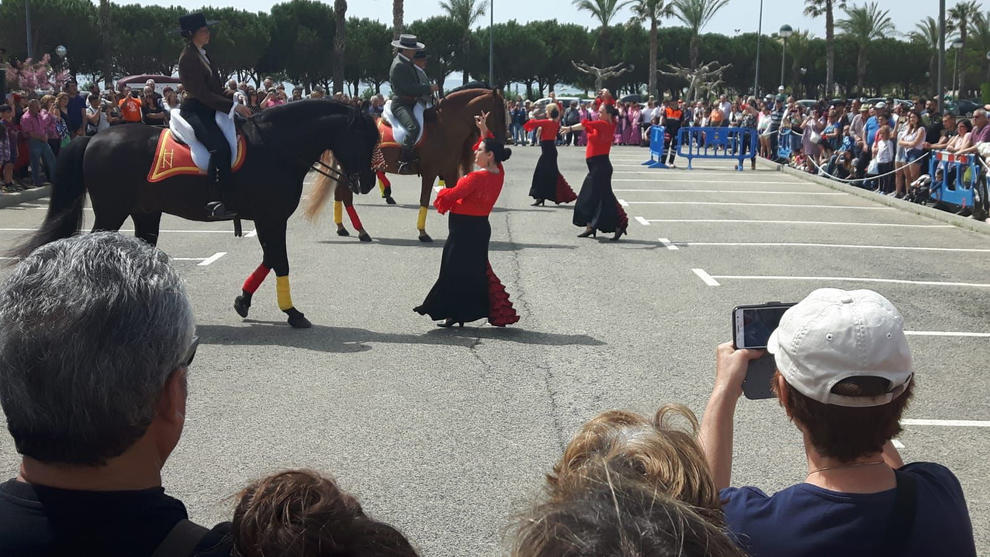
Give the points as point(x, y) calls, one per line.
point(136, 82)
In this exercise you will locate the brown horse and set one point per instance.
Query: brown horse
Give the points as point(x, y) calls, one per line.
point(448, 135)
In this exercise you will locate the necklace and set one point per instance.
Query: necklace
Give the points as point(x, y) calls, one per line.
point(854, 465)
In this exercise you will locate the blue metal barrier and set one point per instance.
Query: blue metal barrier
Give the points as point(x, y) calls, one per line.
point(784, 143)
point(717, 143)
point(954, 178)
point(656, 148)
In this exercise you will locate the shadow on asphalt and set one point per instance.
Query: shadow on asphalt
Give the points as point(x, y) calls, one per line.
point(348, 339)
point(438, 243)
point(494, 210)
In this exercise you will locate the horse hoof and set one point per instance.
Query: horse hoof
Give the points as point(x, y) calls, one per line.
point(241, 306)
point(389, 200)
point(297, 320)
point(364, 236)
point(343, 232)
point(425, 238)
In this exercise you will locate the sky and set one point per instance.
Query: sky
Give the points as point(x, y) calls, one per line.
point(739, 16)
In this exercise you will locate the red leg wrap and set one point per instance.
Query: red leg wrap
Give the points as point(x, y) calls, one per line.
point(385, 182)
point(355, 219)
point(257, 277)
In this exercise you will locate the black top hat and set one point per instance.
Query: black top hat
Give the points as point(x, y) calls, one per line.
point(191, 23)
point(408, 42)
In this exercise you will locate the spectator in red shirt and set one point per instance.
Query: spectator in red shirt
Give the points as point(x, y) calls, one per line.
point(130, 109)
point(596, 207)
point(547, 181)
point(467, 288)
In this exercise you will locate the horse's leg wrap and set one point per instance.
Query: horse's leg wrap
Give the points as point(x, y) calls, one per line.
point(355, 219)
point(253, 281)
point(383, 181)
point(283, 292)
point(338, 212)
point(421, 220)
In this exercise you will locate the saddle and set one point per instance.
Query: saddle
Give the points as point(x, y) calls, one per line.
point(392, 131)
point(178, 152)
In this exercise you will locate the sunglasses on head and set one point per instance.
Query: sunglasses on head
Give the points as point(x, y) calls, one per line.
point(187, 358)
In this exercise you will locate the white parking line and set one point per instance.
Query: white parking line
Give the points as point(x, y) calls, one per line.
point(730, 191)
point(642, 221)
point(739, 203)
point(668, 244)
point(842, 279)
point(213, 258)
point(705, 277)
point(815, 245)
point(946, 334)
point(947, 423)
point(251, 233)
point(757, 221)
point(131, 231)
point(897, 444)
point(686, 181)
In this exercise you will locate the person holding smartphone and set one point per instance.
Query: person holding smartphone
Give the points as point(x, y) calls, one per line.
point(844, 377)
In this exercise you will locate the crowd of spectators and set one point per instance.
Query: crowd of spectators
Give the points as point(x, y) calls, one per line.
point(97, 341)
point(29, 122)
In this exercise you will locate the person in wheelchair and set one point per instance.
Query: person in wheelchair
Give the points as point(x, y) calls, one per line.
point(407, 88)
point(205, 95)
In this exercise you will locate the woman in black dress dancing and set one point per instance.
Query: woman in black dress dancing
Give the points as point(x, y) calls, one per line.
point(597, 208)
point(547, 180)
point(467, 288)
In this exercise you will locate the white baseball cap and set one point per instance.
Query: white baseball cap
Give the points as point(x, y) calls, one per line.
point(880, 104)
point(835, 334)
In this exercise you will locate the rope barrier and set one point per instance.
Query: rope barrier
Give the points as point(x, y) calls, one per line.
point(821, 172)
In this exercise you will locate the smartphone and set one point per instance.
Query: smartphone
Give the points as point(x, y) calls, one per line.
point(752, 325)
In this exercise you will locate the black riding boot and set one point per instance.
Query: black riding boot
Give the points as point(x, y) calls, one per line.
point(407, 160)
point(218, 209)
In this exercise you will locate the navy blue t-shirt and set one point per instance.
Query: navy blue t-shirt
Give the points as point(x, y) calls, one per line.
point(75, 109)
point(805, 520)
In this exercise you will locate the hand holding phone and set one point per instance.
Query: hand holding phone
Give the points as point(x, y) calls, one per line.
point(751, 328)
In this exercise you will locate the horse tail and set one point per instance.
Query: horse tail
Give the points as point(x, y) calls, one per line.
point(323, 188)
point(65, 210)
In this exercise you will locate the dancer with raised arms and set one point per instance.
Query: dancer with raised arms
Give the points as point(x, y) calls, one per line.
point(548, 184)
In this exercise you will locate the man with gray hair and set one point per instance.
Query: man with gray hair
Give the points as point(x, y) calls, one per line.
point(96, 338)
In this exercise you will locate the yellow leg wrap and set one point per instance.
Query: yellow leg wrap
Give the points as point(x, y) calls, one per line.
point(421, 220)
point(338, 213)
point(441, 183)
point(381, 186)
point(282, 290)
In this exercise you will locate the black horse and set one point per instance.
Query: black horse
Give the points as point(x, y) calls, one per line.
point(282, 143)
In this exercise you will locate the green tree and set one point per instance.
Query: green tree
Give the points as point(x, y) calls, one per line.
point(818, 8)
point(465, 13)
point(652, 11)
point(369, 54)
point(603, 11)
point(926, 33)
point(239, 41)
point(696, 14)
point(443, 38)
point(104, 24)
point(301, 46)
point(145, 39)
point(960, 17)
point(865, 24)
point(71, 23)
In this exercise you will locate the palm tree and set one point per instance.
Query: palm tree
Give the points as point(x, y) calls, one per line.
point(818, 8)
point(654, 11)
point(864, 24)
point(980, 30)
point(926, 33)
point(397, 26)
point(960, 15)
point(465, 13)
point(339, 11)
point(604, 11)
point(696, 14)
point(106, 43)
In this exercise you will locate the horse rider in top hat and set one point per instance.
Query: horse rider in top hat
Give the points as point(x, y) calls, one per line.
point(407, 88)
point(205, 95)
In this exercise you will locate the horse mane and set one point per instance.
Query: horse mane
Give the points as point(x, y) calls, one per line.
point(305, 109)
point(463, 96)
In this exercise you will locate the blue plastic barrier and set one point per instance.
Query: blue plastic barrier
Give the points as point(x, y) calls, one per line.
point(656, 148)
point(717, 143)
point(954, 186)
point(784, 143)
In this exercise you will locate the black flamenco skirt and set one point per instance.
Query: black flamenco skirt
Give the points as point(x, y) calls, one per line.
point(596, 205)
point(467, 288)
point(548, 183)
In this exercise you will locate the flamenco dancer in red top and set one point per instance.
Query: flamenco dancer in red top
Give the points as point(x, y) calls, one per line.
point(467, 288)
point(597, 208)
point(548, 183)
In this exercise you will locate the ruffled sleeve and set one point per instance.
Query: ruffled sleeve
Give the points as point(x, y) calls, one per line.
point(465, 186)
point(531, 125)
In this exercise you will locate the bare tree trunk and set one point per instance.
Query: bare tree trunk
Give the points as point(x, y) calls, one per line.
point(860, 68)
point(339, 12)
point(695, 48)
point(652, 87)
point(397, 26)
point(466, 43)
point(829, 50)
point(106, 44)
point(961, 53)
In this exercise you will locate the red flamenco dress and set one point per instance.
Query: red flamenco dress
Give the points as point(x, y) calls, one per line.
point(467, 288)
point(596, 205)
point(548, 183)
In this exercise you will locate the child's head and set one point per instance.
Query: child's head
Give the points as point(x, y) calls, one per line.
point(303, 514)
point(884, 132)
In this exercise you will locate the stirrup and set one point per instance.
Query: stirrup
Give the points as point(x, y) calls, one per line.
point(216, 210)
